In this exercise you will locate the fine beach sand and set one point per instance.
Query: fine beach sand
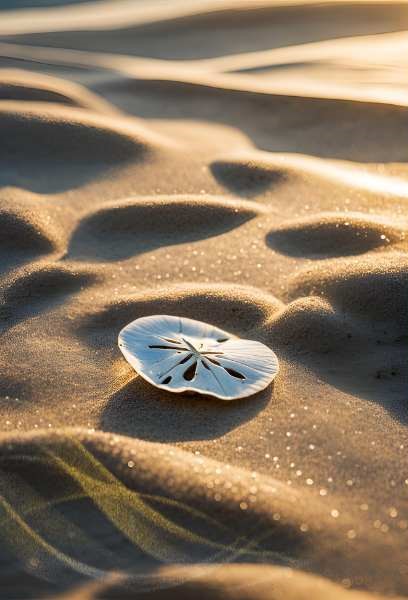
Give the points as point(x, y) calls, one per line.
point(241, 162)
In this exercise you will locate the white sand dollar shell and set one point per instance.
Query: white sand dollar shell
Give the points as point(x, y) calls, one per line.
point(181, 355)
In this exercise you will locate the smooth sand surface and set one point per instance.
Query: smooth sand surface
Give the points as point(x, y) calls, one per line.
point(238, 162)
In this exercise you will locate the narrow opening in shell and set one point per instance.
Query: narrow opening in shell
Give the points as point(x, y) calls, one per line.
point(213, 361)
point(189, 374)
point(158, 347)
point(185, 359)
point(234, 373)
point(231, 372)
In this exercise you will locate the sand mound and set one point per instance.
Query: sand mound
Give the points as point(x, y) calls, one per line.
point(250, 110)
point(25, 229)
point(246, 177)
point(135, 225)
point(373, 287)
point(207, 30)
point(35, 283)
point(309, 325)
point(20, 85)
point(36, 289)
point(336, 234)
point(241, 582)
point(36, 134)
point(169, 506)
point(143, 490)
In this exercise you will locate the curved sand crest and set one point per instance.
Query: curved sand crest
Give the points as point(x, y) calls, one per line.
point(241, 582)
point(27, 230)
point(168, 505)
point(308, 325)
point(16, 84)
point(246, 177)
point(34, 289)
point(372, 287)
point(39, 134)
point(326, 67)
point(335, 234)
point(126, 27)
point(247, 103)
point(256, 168)
point(127, 227)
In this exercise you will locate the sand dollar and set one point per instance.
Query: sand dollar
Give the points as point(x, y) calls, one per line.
point(182, 355)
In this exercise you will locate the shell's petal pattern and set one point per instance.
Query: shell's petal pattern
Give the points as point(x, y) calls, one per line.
point(179, 355)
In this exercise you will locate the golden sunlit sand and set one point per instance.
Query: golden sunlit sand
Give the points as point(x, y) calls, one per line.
point(238, 162)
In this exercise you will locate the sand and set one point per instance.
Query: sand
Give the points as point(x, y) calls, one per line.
point(238, 162)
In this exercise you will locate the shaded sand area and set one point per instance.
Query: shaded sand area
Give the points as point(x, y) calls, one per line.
point(238, 162)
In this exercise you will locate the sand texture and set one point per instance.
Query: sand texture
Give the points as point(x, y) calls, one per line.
point(241, 162)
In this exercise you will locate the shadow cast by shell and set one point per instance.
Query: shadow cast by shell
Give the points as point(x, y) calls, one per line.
point(140, 410)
